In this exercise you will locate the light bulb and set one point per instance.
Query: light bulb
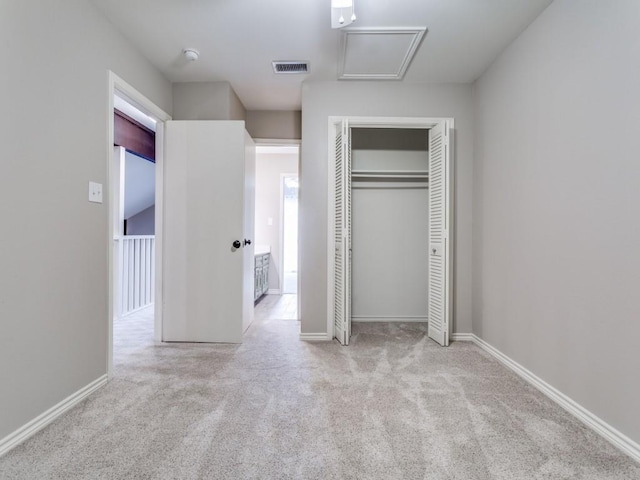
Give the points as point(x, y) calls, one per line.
point(341, 19)
point(353, 17)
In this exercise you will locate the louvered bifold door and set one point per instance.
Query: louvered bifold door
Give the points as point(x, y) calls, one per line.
point(439, 310)
point(346, 149)
point(339, 324)
point(341, 238)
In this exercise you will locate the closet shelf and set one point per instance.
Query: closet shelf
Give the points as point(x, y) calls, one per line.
point(413, 174)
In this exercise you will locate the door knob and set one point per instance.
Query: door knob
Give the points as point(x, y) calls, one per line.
point(236, 244)
point(247, 242)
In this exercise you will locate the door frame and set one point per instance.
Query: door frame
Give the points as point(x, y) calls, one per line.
point(425, 123)
point(275, 142)
point(140, 101)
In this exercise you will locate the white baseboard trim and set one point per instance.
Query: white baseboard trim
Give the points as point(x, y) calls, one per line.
point(602, 428)
point(14, 439)
point(274, 291)
point(387, 318)
point(462, 337)
point(315, 337)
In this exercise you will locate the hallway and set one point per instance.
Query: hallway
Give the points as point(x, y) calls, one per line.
point(277, 307)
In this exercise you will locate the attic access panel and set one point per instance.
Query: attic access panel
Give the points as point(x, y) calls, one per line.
point(378, 53)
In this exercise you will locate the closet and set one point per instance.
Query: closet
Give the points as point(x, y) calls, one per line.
point(390, 245)
point(389, 227)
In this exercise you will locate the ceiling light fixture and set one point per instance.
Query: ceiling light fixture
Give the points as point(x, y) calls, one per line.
point(340, 8)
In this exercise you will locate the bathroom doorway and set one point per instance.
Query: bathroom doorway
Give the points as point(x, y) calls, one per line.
point(276, 230)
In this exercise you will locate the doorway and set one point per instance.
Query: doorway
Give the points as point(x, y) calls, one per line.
point(276, 229)
point(439, 178)
point(133, 191)
point(139, 259)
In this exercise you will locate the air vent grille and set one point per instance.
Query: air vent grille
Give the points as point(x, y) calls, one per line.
point(290, 67)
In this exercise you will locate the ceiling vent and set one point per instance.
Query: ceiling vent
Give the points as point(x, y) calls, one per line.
point(290, 67)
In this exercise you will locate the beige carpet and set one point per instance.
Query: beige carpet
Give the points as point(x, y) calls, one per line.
point(393, 405)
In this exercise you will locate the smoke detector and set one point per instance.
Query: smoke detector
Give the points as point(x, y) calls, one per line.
point(290, 66)
point(191, 54)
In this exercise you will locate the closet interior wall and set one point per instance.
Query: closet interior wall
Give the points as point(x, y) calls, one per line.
point(389, 231)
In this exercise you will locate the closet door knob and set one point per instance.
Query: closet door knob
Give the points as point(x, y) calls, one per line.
point(247, 242)
point(236, 244)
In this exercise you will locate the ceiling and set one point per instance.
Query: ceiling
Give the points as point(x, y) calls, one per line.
point(238, 39)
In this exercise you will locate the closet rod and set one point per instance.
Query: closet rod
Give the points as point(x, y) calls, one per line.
point(418, 174)
point(382, 177)
point(380, 186)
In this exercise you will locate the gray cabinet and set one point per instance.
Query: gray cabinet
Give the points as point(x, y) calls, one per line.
point(261, 278)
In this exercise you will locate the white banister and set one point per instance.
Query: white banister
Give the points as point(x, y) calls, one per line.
point(136, 284)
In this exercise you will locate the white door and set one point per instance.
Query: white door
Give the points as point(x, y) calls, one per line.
point(249, 218)
point(207, 275)
point(342, 234)
point(439, 309)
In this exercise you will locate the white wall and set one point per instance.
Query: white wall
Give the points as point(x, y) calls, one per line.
point(269, 168)
point(557, 205)
point(143, 223)
point(323, 99)
point(206, 101)
point(274, 124)
point(53, 248)
point(139, 184)
point(236, 107)
point(390, 254)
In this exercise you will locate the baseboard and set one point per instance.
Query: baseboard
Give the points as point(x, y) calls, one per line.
point(323, 337)
point(462, 337)
point(602, 428)
point(389, 318)
point(274, 291)
point(315, 337)
point(41, 421)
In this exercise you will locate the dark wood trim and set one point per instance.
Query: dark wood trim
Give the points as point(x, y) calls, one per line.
point(134, 136)
point(133, 120)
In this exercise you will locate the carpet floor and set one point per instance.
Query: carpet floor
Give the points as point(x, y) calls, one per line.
point(392, 405)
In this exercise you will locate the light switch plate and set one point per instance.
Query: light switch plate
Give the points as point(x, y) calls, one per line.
point(95, 192)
